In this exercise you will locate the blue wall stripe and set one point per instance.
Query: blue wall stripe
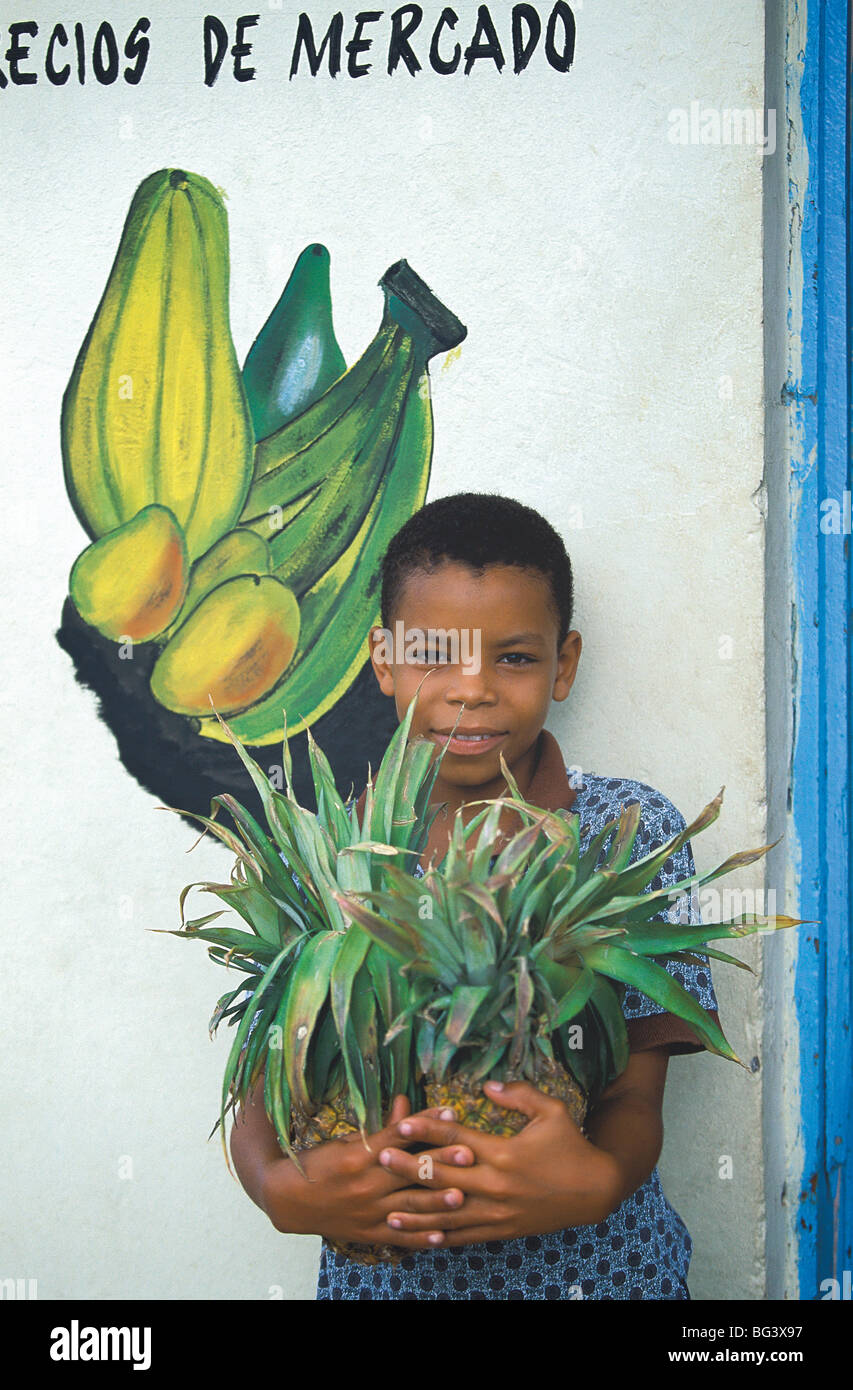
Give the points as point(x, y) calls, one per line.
point(822, 769)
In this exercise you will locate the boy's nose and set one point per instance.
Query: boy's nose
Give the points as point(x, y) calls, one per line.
point(468, 687)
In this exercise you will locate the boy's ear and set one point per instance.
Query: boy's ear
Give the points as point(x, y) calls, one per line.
point(567, 665)
point(381, 657)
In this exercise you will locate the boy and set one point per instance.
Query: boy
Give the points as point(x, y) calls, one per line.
point(548, 1213)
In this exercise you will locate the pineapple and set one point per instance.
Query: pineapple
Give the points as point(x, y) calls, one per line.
point(517, 961)
point(316, 995)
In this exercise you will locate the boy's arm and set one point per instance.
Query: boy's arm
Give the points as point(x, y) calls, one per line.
point(254, 1146)
point(627, 1123)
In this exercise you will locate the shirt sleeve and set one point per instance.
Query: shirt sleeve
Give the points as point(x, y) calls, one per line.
point(648, 1025)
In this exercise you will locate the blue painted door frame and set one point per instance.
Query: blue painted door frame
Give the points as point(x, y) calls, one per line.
point(823, 599)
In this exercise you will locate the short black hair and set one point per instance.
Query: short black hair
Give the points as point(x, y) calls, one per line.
point(479, 529)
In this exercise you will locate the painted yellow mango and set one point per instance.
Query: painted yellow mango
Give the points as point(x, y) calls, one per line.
point(155, 410)
point(133, 581)
point(239, 552)
point(232, 649)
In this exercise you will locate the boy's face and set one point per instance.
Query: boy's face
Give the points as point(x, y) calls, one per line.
point(507, 669)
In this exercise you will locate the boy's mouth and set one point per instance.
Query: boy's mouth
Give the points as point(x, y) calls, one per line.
point(469, 742)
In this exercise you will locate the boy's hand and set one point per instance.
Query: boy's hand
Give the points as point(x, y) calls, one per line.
point(348, 1195)
point(549, 1176)
point(546, 1178)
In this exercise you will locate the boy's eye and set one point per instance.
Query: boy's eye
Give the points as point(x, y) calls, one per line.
point(440, 656)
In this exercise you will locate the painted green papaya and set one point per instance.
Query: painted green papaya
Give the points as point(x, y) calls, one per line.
point(132, 582)
point(295, 357)
point(155, 410)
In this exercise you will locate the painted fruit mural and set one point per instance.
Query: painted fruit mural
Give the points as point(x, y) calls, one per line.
point(237, 518)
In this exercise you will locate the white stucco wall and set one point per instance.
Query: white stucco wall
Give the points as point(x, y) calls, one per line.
point(612, 377)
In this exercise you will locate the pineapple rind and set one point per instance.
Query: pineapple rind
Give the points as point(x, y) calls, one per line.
point(475, 1110)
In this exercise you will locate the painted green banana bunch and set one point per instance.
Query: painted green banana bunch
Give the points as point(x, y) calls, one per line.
point(238, 521)
point(330, 490)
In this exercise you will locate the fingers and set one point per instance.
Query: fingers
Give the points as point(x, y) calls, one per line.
point(437, 1126)
point(400, 1108)
point(457, 1155)
point(425, 1201)
point(422, 1165)
point(452, 1221)
point(427, 1128)
point(519, 1095)
point(454, 1155)
point(426, 1170)
point(390, 1134)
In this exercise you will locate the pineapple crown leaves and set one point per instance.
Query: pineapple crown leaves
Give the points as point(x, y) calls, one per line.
point(399, 798)
point(316, 995)
point(541, 931)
